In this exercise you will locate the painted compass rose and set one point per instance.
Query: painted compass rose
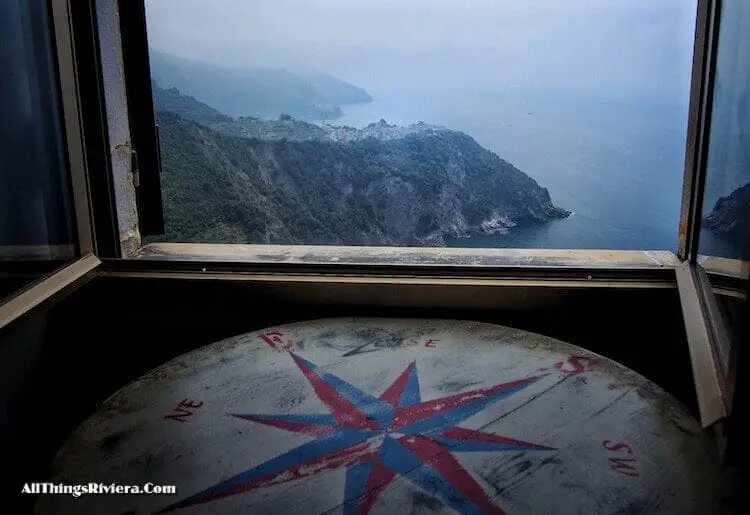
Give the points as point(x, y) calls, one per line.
point(376, 439)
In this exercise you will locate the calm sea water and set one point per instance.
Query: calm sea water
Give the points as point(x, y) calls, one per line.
point(618, 166)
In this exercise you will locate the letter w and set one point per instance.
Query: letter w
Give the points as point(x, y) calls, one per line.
point(623, 466)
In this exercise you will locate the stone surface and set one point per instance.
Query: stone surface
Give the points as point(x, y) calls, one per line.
point(391, 416)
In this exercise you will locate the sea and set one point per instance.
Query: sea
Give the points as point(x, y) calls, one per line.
point(617, 164)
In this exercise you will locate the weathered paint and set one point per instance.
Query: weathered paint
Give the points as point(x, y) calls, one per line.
point(724, 266)
point(408, 255)
point(364, 416)
point(117, 124)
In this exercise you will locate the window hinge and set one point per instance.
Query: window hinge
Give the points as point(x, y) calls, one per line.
point(136, 170)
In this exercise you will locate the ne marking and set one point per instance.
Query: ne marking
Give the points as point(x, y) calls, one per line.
point(184, 410)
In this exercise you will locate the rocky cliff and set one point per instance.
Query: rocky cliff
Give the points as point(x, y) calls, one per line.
point(729, 215)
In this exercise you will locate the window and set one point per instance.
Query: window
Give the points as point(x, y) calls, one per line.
point(541, 124)
point(48, 159)
point(552, 139)
point(526, 144)
point(499, 141)
point(726, 203)
point(725, 235)
point(37, 227)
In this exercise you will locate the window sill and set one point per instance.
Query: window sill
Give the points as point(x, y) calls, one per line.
point(301, 264)
point(722, 266)
point(411, 256)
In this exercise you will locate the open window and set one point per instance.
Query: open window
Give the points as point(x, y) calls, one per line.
point(46, 237)
point(713, 278)
point(590, 213)
point(324, 161)
point(297, 151)
point(370, 152)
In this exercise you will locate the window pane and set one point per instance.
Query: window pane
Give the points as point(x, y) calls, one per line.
point(542, 123)
point(724, 239)
point(726, 205)
point(36, 227)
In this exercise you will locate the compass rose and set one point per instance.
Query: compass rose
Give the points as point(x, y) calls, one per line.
point(376, 439)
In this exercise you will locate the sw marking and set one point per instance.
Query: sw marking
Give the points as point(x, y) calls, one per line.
point(626, 466)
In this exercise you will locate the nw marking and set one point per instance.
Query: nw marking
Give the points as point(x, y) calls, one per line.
point(574, 365)
point(184, 410)
point(623, 466)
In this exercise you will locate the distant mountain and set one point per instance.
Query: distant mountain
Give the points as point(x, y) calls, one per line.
point(336, 90)
point(257, 92)
point(377, 188)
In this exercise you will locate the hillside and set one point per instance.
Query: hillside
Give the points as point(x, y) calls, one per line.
point(418, 189)
point(187, 107)
point(285, 127)
point(256, 92)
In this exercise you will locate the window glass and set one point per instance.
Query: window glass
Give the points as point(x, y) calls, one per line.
point(724, 243)
point(36, 227)
point(469, 123)
point(726, 205)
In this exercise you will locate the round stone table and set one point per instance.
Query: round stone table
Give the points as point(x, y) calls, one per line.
point(384, 416)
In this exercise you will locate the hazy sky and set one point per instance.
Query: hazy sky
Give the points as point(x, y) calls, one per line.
point(620, 47)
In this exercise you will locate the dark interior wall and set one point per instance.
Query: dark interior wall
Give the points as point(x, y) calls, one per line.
point(62, 362)
point(23, 358)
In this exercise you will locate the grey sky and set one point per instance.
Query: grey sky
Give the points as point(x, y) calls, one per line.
point(618, 46)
